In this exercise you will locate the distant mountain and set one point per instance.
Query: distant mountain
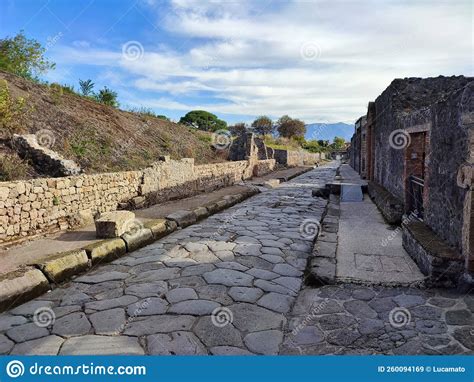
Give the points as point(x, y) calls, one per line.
point(327, 131)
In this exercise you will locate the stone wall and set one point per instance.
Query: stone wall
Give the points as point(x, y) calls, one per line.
point(297, 158)
point(52, 204)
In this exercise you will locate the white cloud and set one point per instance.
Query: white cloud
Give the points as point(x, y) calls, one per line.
point(249, 54)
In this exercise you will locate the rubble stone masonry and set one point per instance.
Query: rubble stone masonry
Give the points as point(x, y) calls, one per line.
point(52, 204)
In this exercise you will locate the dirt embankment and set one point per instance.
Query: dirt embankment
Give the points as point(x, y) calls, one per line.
point(101, 138)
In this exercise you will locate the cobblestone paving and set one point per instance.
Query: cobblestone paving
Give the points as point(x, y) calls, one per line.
point(232, 285)
point(224, 286)
point(355, 319)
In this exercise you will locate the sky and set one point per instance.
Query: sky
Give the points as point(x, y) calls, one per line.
point(314, 60)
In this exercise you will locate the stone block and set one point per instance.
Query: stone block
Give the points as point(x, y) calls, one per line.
point(62, 266)
point(271, 183)
point(138, 202)
point(106, 250)
point(113, 224)
point(201, 213)
point(160, 227)
point(138, 238)
point(20, 286)
point(183, 217)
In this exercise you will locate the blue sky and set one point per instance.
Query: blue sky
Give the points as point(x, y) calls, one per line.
point(314, 60)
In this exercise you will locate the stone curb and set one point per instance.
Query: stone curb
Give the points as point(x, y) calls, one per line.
point(321, 269)
point(27, 283)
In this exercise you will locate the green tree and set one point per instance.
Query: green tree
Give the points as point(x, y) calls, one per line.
point(86, 87)
point(203, 120)
point(107, 97)
point(263, 125)
point(23, 57)
point(312, 146)
point(238, 129)
point(288, 127)
point(339, 143)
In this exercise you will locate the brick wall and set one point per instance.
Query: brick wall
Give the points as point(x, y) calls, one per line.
point(52, 204)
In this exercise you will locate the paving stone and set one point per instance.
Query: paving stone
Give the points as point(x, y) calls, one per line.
point(29, 308)
point(271, 286)
point(369, 326)
point(264, 342)
point(101, 345)
point(181, 294)
point(111, 303)
point(360, 309)
point(75, 298)
point(177, 343)
point(229, 350)
point(156, 289)
point(218, 335)
point(430, 327)
point(308, 335)
point(5, 344)
point(101, 277)
point(273, 252)
point(342, 337)
point(459, 317)
point(441, 302)
point(225, 255)
point(274, 259)
point(149, 306)
point(156, 275)
point(408, 301)
point(427, 312)
point(365, 294)
point(292, 283)
point(228, 277)
point(26, 332)
point(196, 247)
point(381, 305)
point(49, 345)
point(262, 274)
point(245, 294)
point(232, 265)
point(276, 301)
point(217, 293)
point(187, 282)
point(7, 322)
point(250, 318)
point(248, 249)
point(465, 336)
point(194, 307)
point(108, 322)
point(220, 246)
point(74, 324)
point(159, 324)
point(194, 270)
point(335, 321)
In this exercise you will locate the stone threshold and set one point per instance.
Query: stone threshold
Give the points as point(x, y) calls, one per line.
point(34, 279)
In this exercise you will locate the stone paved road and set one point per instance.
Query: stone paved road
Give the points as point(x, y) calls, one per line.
point(232, 285)
point(224, 286)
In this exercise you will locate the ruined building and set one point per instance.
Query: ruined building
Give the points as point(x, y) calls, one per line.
point(415, 146)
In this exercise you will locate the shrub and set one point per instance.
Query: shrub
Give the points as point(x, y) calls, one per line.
point(12, 168)
point(12, 112)
point(108, 97)
point(86, 87)
point(263, 125)
point(23, 57)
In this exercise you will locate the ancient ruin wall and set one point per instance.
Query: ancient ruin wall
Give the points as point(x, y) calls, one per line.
point(52, 204)
point(450, 154)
